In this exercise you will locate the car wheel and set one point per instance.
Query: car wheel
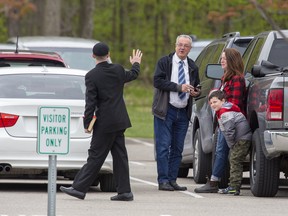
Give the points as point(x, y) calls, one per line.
point(183, 172)
point(107, 183)
point(201, 161)
point(264, 173)
point(225, 177)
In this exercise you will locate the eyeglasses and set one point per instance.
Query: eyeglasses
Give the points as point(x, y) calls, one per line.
point(186, 46)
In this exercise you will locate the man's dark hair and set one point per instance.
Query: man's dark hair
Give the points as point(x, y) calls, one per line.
point(218, 94)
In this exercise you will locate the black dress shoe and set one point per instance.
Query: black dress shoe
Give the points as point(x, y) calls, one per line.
point(165, 186)
point(123, 197)
point(177, 187)
point(72, 192)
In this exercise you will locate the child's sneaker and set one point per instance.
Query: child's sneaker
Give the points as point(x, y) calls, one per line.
point(229, 190)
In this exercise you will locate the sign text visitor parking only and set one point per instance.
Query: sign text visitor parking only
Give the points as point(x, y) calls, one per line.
point(53, 130)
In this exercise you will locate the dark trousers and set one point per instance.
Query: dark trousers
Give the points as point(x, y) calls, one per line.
point(100, 146)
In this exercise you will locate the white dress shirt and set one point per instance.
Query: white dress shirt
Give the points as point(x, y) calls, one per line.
point(174, 98)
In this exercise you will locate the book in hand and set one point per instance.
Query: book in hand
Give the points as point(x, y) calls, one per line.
point(92, 122)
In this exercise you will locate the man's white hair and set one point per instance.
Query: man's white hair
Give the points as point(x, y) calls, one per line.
point(184, 36)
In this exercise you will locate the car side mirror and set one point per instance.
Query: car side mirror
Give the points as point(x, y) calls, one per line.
point(214, 71)
point(265, 68)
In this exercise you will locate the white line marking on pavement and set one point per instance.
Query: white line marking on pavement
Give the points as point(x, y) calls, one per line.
point(143, 181)
point(156, 185)
point(192, 194)
point(141, 142)
point(137, 163)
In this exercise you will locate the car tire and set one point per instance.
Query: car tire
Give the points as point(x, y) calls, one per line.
point(201, 161)
point(226, 174)
point(107, 183)
point(264, 173)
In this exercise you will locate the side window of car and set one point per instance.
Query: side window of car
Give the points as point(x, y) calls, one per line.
point(199, 60)
point(200, 57)
point(216, 58)
point(254, 55)
point(247, 52)
point(205, 59)
point(241, 45)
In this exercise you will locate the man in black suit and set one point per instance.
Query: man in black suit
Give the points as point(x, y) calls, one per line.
point(104, 97)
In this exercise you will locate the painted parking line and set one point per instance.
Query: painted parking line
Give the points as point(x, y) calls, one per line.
point(137, 163)
point(141, 142)
point(156, 185)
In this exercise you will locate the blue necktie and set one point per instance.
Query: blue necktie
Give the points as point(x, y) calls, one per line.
point(181, 79)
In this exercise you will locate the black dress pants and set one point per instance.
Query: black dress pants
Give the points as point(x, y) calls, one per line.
point(100, 146)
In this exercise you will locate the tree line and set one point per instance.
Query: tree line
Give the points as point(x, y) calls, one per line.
point(150, 25)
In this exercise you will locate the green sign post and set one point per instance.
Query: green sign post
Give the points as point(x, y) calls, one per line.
point(53, 140)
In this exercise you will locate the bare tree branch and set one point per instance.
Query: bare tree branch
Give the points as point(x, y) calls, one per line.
point(267, 17)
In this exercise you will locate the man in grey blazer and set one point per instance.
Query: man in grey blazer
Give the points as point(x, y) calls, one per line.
point(104, 97)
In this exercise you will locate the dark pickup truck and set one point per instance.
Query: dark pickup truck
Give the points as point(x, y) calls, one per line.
point(266, 68)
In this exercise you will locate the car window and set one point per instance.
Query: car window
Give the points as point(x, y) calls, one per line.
point(29, 62)
point(200, 57)
point(241, 47)
point(279, 52)
point(247, 52)
point(202, 66)
point(217, 55)
point(42, 86)
point(212, 55)
point(254, 55)
point(195, 52)
point(78, 58)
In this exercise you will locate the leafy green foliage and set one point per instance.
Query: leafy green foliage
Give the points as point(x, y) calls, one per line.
point(3, 29)
point(138, 99)
point(153, 25)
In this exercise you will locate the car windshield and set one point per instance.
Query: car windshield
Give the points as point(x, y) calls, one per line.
point(78, 58)
point(42, 86)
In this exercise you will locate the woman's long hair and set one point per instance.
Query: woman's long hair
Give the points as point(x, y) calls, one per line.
point(235, 64)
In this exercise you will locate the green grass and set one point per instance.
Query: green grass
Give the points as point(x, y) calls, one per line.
point(138, 98)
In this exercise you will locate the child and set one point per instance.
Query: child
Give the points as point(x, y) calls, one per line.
point(237, 133)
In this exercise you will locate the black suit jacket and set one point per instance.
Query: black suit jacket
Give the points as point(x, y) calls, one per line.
point(104, 96)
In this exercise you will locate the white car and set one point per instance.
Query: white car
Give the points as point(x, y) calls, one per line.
point(76, 52)
point(23, 91)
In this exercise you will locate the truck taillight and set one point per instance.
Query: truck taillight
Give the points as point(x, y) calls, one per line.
point(275, 105)
point(8, 120)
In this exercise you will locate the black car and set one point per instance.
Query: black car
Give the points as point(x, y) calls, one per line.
point(199, 141)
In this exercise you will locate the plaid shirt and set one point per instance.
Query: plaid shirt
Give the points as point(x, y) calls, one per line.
point(235, 91)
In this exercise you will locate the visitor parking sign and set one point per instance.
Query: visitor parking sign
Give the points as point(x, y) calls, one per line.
point(53, 130)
